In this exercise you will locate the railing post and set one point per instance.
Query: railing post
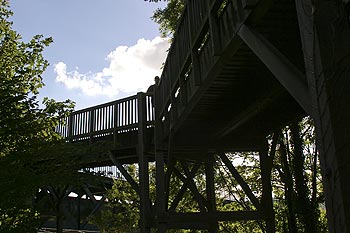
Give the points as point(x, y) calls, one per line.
point(194, 53)
point(70, 127)
point(145, 208)
point(213, 29)
point(115, 126)
point(92, 121)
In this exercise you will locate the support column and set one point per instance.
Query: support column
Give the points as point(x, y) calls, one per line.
point(325, 36)
point(145, 210)
point(210, 189)
point(266, 200)
point(160, 192)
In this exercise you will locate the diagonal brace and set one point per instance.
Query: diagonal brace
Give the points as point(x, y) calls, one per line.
point(125, 173)
point(286, 73)
point(184, 187)
point(192, 186)
point(240, 181)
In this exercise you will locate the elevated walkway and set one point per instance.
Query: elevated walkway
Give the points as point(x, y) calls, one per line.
point(114, 125)
point(223, 84)
point(237, 70)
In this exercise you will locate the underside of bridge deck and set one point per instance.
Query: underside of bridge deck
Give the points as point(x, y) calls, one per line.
point(237, 71)
point(250, 68)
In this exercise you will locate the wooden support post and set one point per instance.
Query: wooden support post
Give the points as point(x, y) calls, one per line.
point(240, 181)
point(145, 207)
point(325, 35)
point(160, 191)
point(210, 189)
point(92, 125)
point(267, 202)
point(213, 29)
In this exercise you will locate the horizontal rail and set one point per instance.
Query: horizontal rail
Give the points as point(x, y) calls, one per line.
point(205, 29)
point(106, 171)
point(107, 119)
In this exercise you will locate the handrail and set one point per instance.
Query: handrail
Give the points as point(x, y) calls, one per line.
point(206, 28)
point(106, 119)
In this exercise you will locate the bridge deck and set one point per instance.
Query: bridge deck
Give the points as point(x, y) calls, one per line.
point(220, 94)
point(113, 125)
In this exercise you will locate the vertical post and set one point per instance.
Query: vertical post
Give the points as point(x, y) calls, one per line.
point(70, 127)
point(79, 210)
point(325, 35)
point(92, 121)
point(210, 189)
point(145, 211)
point(194, 53)
point(115, 131)
point(213, 28)
point(160, 192)
point(266, 202)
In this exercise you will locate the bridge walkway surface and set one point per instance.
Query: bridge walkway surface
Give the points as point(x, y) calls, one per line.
point(237, 71)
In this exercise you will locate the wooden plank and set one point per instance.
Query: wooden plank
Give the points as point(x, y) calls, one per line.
point(285, 72)
point(192, 186)
point(125, 173)
point(240, 181)
point(184, 187)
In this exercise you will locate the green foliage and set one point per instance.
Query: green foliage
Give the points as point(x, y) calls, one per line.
point(27, 132)
point(168, 17)
point(122, 211)
point(15, 220)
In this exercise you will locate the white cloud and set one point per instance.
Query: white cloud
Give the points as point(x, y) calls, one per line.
point(131, 69)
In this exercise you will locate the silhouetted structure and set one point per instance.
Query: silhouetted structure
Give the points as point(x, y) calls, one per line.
point(237, 71)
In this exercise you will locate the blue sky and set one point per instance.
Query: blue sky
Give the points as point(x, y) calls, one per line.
point(103, 49)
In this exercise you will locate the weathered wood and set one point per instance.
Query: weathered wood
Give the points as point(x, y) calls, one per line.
point(145, 208)
point(210, 190)
point(192, 186)
point(325, 35)
point(240, 181)
point(125, 173)
point(184, 187)
point(289, 76)
point(266, 199)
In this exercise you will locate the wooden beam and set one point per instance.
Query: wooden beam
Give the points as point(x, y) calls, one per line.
point(214, 216)
point(240, 181)
point(183, 189)
point(250, 112)
point(89, 194)
point(266, 200)
point(125, 173)
point(145, 203)
point(210, 189)
point(96, 208)
point(160, 185)
point(285, 72)
point(192, 186)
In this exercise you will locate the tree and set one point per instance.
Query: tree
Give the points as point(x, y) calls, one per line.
point(121, 214)
point(27, 133)
point(168, 17)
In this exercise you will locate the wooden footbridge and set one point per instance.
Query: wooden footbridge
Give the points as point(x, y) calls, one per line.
point(237, 70)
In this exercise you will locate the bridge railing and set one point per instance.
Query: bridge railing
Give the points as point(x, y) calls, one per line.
point(205, 29)
point(107, 119)
point(106, 171)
